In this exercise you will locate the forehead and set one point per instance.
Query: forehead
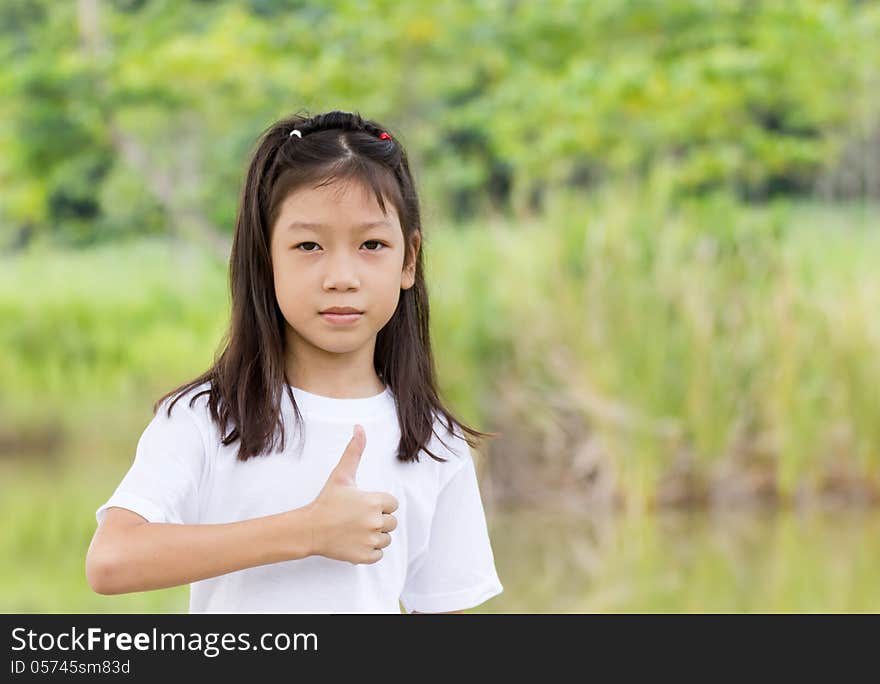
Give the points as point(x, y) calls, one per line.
point(336, 204)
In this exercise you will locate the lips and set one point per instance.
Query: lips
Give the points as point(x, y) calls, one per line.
point(341, 310)
point(341, 319)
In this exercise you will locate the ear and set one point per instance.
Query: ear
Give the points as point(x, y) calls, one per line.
point(408, 276)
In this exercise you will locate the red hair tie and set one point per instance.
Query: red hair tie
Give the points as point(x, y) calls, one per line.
point(384, 136)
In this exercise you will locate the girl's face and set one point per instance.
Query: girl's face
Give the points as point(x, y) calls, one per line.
point(333, 246)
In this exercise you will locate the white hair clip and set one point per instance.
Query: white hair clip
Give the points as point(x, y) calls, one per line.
point(296, 133)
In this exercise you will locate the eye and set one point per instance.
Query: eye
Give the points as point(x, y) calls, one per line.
point(374, 249)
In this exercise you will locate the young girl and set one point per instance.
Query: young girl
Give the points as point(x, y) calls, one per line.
point(329, 340)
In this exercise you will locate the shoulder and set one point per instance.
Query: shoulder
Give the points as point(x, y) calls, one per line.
point(448, 436)
point(191, 401)
point(172, 442)
point(185, 412)
point(448, 442)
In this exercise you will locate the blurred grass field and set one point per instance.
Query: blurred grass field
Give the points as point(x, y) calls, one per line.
point(704, 344)
point(712, 330)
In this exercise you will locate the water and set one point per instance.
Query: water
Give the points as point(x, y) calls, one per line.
point(758, 561)
point(762, 561)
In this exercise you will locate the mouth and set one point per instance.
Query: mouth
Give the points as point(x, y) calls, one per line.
point(341, 310)
point(341, 316)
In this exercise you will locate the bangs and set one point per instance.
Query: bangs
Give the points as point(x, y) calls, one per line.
point(372, 176)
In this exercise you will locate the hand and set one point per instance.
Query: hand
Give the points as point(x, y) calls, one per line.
point(347, 523)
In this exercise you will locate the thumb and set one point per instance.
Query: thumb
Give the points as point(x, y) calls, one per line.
point(351, 457)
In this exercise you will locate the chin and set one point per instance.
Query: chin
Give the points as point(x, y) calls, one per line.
point(339, 349)
point(340, 345)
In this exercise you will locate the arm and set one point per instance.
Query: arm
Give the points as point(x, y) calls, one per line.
point(129, 554)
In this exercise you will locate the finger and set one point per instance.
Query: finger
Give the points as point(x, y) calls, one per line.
point(389, 502)
point(384, 540)
point(351, 457)
point(389, 523)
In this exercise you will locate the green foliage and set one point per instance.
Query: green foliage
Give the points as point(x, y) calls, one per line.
point(145, 118)
point(711, 329)
point(96, 330)
point(708, 326)
point(606, 188)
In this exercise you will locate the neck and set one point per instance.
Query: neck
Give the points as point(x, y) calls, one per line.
point(348, 375)
point(341, 387)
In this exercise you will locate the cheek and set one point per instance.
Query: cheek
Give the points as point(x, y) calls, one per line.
point(390, 295)
point(390, 280)
point(286, 292)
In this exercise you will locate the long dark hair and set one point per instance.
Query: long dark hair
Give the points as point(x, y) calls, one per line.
point(246, 379)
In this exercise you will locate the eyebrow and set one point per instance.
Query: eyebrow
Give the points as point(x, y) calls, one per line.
point(309, 225)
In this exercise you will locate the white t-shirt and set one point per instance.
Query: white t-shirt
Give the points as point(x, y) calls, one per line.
point(439, 559)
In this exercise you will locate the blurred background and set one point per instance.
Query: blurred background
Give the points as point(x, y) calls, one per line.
point(652, 238)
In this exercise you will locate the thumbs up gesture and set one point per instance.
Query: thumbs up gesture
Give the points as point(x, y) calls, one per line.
point(348, 523)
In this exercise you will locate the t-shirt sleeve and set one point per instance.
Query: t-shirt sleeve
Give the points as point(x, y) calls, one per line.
point(457, 571)
point(162, 483)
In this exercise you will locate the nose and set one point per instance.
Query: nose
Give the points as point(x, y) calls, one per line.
point(341, 273)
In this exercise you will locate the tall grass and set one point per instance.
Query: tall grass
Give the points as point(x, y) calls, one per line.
point(624, 337)
point(89, 339)
point(733, 347)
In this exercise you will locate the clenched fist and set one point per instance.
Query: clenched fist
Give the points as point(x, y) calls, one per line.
point(347, 523)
